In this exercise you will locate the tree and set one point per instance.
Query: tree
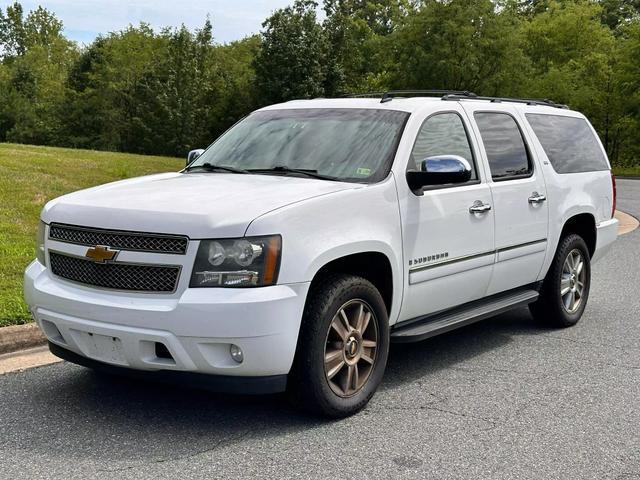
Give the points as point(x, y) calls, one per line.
point(13, 40)
point(573, 59)
point(292, 62)
point(619, 12)
point(625, 147)
point(36, 57)
point(170, 90)
point(355, 30)
point(460, 45)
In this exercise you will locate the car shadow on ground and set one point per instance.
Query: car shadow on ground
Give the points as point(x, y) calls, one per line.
point(87, 414)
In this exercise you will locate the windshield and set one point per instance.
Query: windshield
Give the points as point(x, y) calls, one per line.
point(348, 144)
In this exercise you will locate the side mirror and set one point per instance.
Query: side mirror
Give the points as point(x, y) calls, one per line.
point(193, 154)
point(439, 170)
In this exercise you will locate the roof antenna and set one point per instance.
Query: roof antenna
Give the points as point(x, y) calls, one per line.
point(386, 97)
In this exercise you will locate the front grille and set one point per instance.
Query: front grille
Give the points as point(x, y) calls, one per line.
point(135, 241)
point(118, 276)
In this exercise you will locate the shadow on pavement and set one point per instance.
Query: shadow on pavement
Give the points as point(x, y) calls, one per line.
point(76, 412)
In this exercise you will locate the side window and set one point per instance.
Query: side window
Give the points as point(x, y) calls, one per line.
point(506, 151)
point(443, 134)
point(568, 142)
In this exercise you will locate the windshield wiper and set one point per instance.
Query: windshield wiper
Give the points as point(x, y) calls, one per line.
point(300, 171)
point(209, 167)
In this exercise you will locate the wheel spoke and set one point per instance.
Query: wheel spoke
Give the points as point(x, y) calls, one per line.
point(345, 319)
point(339, 329)
point(334, 371)
point(360, 318)
point(365, 322)
point(356, 377)
point(367, 358)
point(369, 344)
point(332, 355)
point(565, 285)
point(572, 300)
point(579, 267)
point(348, 380)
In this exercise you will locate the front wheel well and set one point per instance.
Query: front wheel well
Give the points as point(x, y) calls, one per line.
point(584, 225)
point(373, 266)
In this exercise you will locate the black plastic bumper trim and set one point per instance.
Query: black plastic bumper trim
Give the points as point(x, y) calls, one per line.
point(213, 383)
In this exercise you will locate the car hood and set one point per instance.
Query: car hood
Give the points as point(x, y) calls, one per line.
point(199, 205)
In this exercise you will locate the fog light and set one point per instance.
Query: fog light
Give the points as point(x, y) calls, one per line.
point(236, 353)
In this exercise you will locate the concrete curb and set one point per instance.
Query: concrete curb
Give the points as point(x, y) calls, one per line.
point(627, 222)
point(26, 359)
point(20, 337)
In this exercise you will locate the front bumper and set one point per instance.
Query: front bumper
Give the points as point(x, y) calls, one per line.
point(212, 383)
point(196, 327)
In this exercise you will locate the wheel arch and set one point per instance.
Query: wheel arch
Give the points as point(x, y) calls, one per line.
point(375, 266)
point(584, 225)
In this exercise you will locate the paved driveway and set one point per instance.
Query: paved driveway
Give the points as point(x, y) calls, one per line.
point(500, 399)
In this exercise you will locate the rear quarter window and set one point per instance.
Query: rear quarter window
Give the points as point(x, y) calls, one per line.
point(569, 143)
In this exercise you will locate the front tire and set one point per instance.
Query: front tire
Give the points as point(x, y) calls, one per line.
point(565, 290)
point(343, 347)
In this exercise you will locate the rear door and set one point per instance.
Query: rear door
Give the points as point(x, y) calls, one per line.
point(518, 193)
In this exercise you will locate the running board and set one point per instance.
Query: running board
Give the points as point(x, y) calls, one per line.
point(437, 323)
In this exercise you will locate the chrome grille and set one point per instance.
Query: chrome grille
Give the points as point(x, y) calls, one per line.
point(118, 276)
point(135, 241)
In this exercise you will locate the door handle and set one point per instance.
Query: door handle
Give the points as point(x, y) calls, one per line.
point(537, 198)
point(479, 207)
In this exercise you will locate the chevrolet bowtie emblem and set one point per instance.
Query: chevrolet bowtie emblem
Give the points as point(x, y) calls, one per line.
point(101, 254)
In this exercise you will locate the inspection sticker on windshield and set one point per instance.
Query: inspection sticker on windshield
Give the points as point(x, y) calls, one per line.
point(365, 172)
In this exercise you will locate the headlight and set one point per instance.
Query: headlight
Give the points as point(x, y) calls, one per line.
point(40, 243)
point(241, 262)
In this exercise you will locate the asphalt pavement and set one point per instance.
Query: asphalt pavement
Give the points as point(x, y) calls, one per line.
point(504, 398)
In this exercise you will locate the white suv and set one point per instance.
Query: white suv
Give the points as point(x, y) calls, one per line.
point(291, 252)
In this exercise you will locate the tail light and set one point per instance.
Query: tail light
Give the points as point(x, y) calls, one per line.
point(615, 193)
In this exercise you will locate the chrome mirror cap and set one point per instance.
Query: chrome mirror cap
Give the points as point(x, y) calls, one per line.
point(193, 154)
point(445, 164)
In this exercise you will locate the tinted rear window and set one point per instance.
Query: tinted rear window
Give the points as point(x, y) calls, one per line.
point(568, 142)
point(506, 151)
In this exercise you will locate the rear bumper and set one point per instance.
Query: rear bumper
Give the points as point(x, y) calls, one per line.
point(606, 234)
point(196, 327)
point(212, 383)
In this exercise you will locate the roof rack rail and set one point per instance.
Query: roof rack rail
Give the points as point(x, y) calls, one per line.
point(453, 95)
point(391, 94)
point(528, 101)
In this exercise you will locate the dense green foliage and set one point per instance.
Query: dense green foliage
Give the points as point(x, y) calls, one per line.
point(144, 91)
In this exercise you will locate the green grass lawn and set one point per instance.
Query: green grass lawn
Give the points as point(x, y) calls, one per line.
point(627, 171)
point(29, 177)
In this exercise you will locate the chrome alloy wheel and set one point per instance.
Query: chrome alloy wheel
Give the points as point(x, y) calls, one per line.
point(351, 348)
point(572, 281)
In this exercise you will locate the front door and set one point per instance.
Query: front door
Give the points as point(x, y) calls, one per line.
point(448, 231)
point(519, 197)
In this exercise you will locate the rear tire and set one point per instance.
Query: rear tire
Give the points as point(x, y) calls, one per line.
point(565, 290)
point(343, 347)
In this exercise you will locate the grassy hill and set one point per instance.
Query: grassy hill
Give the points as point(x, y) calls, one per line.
point(29, 177)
